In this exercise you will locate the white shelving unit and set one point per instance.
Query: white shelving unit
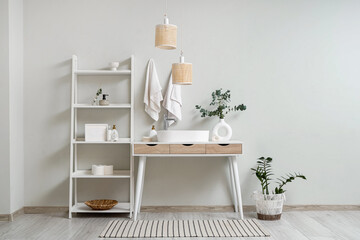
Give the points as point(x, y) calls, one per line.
point(102, 72)
point(123, 105)
point(75, 173)
point(119, 208)
point(119, 141)
point(87, 174)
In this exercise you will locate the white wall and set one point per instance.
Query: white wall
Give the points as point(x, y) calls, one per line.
point(293, 63)
point(16, 104)
point(11, 107)
point(4, 109)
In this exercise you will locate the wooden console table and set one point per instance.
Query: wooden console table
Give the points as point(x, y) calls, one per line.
point(231, 150)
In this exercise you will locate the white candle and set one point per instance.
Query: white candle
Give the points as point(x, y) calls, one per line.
point(98, 170)
point(108, 169)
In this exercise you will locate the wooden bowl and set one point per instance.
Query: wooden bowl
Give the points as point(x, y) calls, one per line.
point(101, 204)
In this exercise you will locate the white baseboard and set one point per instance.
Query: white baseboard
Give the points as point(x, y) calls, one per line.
point(10, 217)
point(247, 208)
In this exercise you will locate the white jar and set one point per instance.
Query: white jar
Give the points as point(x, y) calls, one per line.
point(108, 169)
point(97, 170)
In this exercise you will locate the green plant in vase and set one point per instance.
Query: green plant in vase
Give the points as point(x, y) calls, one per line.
point(94, 101)
point(221, 101)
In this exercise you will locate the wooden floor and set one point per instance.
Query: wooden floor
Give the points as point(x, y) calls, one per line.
point(314, 225)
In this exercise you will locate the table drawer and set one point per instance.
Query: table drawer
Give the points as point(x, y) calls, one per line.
point(151, 148)
point(223, 148)
point(187, 148)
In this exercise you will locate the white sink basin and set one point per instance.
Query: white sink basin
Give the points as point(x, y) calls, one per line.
point(183, 136)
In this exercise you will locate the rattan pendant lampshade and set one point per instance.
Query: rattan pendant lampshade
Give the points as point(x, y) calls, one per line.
point(165, 35)
point(182, 72)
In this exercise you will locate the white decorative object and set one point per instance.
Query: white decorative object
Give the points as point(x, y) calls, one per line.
point(215, 132)
point(97, 170)
point(108, 135)
point(96, 132)
point(114, 66)
point(108, 169)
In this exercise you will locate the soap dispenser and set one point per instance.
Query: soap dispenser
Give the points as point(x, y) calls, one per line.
point(153, 133)
point(114, 134)
point(104, 101)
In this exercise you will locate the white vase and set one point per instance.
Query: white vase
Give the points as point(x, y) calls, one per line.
point(215, 132)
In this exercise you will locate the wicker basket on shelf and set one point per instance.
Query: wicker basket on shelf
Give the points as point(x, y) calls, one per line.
point(101, 204)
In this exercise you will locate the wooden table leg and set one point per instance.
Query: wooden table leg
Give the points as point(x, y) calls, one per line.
point(237, 185)
point(139, 183)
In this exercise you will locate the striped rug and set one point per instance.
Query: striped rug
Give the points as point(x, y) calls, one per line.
point(183, 228)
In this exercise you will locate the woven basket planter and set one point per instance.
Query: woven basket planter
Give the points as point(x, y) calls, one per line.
point(101, 204)
point(269, 207)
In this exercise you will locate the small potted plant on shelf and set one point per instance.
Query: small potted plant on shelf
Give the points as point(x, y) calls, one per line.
point(269, 205)
point(221, 101)
point(95, 99)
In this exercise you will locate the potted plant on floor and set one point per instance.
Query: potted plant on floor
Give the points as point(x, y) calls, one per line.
point(269, 205)
point(221, 101)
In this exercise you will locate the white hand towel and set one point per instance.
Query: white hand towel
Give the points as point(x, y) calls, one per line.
point(172, 101)
point(152, 95)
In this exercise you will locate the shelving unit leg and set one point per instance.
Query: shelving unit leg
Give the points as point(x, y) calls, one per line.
point(70, 197)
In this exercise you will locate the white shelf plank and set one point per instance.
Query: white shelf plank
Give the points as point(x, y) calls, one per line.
point(102, 72)
point(120, 141)
point(87, 174)
point(83, 105)
point(119, 208)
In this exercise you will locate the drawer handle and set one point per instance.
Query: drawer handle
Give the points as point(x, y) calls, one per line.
point(188, 145)
point(151, 145)
point(224, 145)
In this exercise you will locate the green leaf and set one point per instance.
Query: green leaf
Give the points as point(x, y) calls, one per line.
point(220, 99)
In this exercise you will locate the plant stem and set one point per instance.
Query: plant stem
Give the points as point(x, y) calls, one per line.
point(266, 182)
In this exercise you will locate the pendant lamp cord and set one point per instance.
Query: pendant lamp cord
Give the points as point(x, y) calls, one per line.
point(166, 8)
point(181, 29)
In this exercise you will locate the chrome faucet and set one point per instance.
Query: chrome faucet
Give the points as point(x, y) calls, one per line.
point(168, 120)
